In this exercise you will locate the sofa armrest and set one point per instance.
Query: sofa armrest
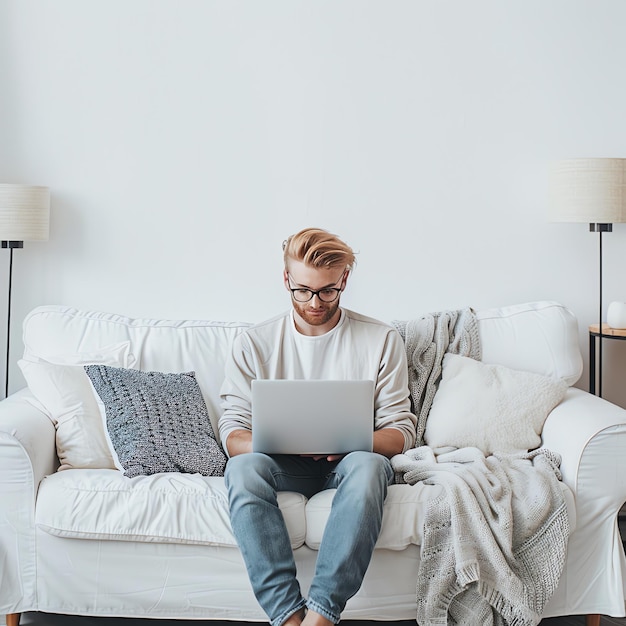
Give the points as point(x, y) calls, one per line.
point(27, 455)
point(590, 435)
point(26, 426)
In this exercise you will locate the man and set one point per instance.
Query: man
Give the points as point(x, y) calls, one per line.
point(316, 339)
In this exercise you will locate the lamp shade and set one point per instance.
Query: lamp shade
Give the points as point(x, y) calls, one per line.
point(24, 213)
point(588, 190)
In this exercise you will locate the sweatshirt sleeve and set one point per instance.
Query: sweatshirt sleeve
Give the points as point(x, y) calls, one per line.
point(236, 390)
point(392, 401)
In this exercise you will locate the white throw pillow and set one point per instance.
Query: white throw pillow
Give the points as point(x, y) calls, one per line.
point(64, 390)
point(490, 407)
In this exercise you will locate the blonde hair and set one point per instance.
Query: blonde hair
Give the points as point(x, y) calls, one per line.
point(318, 248)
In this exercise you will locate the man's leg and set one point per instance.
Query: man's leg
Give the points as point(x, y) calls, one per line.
point(258, 524)
point(361, 480)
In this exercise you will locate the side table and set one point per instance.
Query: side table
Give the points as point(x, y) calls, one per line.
point(594, 334)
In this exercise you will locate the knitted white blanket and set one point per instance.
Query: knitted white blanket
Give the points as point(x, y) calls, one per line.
point(426, 340)
point(494, 541)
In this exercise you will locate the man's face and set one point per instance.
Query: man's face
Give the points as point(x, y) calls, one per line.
point(315, 316)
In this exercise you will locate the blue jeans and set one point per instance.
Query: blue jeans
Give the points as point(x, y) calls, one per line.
point(361, 480)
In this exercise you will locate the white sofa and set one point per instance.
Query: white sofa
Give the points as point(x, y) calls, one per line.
point(92, 542)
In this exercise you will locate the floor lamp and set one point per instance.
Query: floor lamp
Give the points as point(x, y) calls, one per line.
point(593, 191)
point(24, 216)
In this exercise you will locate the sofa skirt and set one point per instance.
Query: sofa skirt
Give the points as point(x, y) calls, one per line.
point(178, 581)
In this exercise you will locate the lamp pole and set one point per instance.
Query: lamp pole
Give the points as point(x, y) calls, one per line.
point(600, 228)
point(10, 245)
point(590, 190)
point(24, 216)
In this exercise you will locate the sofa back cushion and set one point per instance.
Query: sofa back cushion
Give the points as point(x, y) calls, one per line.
point(540, 337)
point(58, 339)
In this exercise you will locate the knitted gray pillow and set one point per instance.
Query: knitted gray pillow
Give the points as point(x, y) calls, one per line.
point(157, 422)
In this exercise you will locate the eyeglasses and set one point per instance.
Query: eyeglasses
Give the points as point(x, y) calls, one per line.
point(327, 294)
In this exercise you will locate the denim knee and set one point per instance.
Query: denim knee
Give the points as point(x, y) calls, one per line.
point(242, 470)
point(368, 467)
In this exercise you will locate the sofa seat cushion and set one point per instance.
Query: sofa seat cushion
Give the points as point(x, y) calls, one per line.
point(163, 508)
point(193, 509)
point(403, 515)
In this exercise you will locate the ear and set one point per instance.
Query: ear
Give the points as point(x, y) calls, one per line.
point(286, 279)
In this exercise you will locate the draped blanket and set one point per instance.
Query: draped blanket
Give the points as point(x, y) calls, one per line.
point(426, 340)
point(495, 539)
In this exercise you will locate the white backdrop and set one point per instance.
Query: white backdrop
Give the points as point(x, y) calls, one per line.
point(183, 141)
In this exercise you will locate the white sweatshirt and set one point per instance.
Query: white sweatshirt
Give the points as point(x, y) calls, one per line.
point(358, 347)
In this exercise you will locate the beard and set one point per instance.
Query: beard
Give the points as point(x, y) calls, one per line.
point(323, 313)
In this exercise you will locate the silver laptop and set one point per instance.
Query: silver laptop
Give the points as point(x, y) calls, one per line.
point(312, 416)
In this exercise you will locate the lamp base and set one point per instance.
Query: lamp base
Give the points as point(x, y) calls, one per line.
point(600, 228)
point(12, 244)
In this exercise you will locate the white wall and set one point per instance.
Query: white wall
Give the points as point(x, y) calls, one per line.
point(183, 141)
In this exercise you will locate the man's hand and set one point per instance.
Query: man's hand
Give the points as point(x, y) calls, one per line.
point(388, 442)
point(328, 457)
